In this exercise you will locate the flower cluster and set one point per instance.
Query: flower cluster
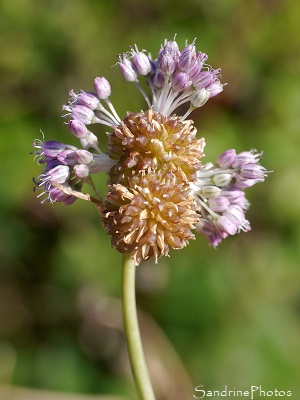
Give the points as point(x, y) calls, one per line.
point(68, 166)
point(175, 77)
point(158, 190)
point(219, 190)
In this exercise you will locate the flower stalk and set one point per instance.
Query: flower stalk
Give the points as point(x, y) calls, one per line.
point(132, 332)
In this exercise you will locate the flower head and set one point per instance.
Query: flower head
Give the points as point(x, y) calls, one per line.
point(149, 215)
point(159, 192)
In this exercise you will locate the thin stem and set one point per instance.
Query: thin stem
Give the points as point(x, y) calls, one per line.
point(132, 332)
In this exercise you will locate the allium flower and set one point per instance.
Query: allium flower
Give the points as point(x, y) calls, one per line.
point(158, 190)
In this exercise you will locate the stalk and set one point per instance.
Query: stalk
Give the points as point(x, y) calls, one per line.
point(132, 332)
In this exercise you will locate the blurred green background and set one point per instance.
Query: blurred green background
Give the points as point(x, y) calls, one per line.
point(232, 315)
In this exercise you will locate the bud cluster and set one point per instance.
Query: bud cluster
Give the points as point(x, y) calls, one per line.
point(219, 191)
point(68, 166)
point(174, 77)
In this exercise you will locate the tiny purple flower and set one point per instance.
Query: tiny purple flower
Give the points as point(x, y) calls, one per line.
point(59, 174)
point(81, 171)
point(219, 204)
point(158, 79)
point(84, 114)
point(142, 63)
point(83, 157)
point(78, 128)
point(89, 100)
point(215, 88)
point(128, 70)
point(227, 158)
point(102, 88)
point(179, 81)
point(187, 57)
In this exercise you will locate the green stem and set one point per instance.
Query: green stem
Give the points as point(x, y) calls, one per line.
point(132, 332)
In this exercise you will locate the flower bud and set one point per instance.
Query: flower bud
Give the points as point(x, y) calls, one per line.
point(205, 227)
point(252, 171)
point(197, 65)
point(236, 196)
point(222, 179)
point(179, 81)
point(51, 148)
point(210, 191)
point(203, 79)
point(199, 98)
point(142, 63)
point(226, 225)
point(167, 64)
point(236, 215)
point(90, 140)
point(83, 113)
point(218, 204)
point(128, 70)
point(77, 128)
point(226, 159)
point(246, 157)
point(81, 171)
point(66, 157)
point(56, 194)
point(59, 174)
point(102, 88)
point(215, 88)
point(83, 156)
point(158, 79)
point(186, 58)
point(89, 100)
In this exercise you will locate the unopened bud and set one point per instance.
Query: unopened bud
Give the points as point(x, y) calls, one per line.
point(199, 98)
point(59, 174)
point(83, 156)
point(186, 57)
point(158, 79)
point(226, 159)
point(81, 171)
point(252, 171)
point(215, 88)
point(128, 71)
point(179, 81)
point(210, 191)
point(83, 113)
point(142, 63)
point(102, 88)
point(226, 225)
point(219, 204)
point(222, 179)
point(88, 100)
point(77, 128)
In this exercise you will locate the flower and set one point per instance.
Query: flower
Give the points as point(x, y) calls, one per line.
point(151, 214)
point(158, 190)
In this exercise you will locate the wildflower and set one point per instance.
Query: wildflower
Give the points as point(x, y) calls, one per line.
point(158, 190)
point(68, 166)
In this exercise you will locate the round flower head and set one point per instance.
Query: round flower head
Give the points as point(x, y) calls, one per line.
point(158, 190)
point(149, 215)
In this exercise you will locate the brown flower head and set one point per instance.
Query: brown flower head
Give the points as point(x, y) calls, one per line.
point(152, 140)
point(151, 214)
